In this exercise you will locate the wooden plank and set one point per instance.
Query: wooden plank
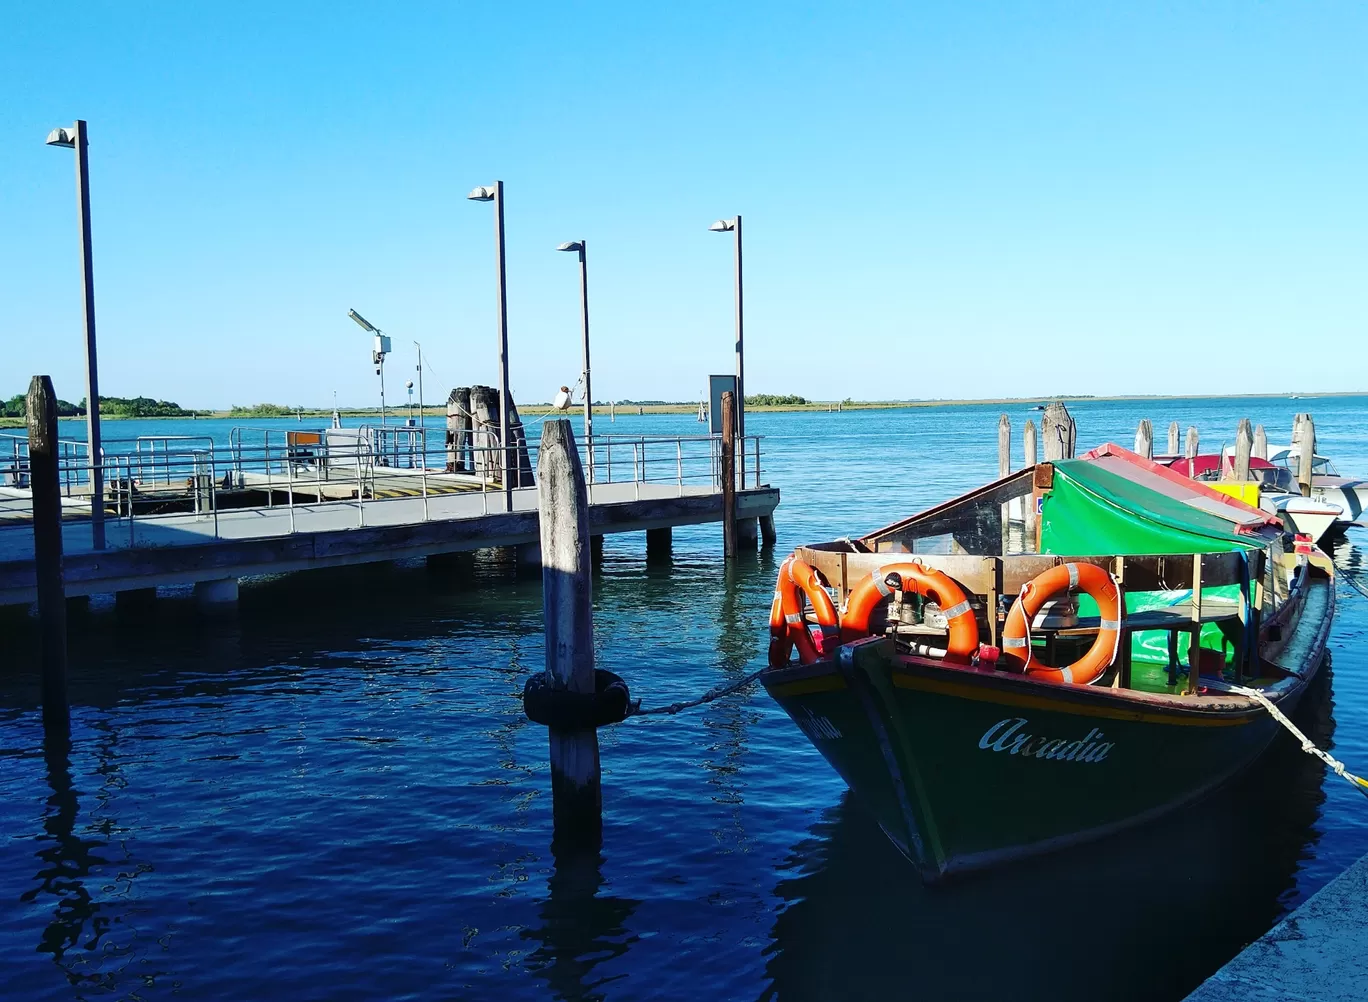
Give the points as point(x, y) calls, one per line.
point(44, 479)
point(1194, 647)
point(729, 474)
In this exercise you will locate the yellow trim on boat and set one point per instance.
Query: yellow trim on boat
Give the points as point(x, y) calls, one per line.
point(903, 681)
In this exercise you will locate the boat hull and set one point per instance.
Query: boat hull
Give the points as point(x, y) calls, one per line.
point(965, 769)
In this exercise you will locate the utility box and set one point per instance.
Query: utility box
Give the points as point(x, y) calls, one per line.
point(382, 344)
point(718, 385)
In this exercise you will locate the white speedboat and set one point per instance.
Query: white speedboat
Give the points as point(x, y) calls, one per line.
point(1278, 494)
point(1350, 494)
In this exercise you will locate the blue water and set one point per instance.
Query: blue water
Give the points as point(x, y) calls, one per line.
point(335, 795)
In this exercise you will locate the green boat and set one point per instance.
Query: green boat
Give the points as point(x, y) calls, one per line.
point(931, 654)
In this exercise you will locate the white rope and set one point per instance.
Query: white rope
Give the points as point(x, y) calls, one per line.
point(1306, 743)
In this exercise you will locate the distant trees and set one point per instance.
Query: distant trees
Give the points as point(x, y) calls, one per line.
point(14, 407)
point(262, 410)
point(775, 400)
point(111, 407)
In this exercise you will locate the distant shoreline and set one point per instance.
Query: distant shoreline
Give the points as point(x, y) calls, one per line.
point(821, 406)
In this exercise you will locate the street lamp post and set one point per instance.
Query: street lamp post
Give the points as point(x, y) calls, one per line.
point(378, 353)
point(579, 247)
point(495, 194)
point(724, 226)
point(75, 138)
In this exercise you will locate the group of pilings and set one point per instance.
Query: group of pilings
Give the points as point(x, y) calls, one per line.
point(1059, 435)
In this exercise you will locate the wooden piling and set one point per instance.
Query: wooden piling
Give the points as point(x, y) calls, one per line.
point(1028, 447)
point(1244, 446)
point(729, 474)
point(1144, 439)
point(1260, 448)
point(47, 550)
point(1306, 451)
point(768, 536)
point(1173, 439)
point(1058, 432)
point(567, 610)
point(1190, 448)
point(458, 430)
point(1004, 446)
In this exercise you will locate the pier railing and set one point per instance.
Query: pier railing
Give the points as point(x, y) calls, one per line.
point(264, 482)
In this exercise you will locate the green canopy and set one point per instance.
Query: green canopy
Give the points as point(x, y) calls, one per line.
point(1090, 509)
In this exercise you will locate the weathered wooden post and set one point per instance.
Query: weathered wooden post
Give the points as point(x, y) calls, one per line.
point(458, 429)
point(1028, 445)
point(1173, 445)
point(563, 502)
point(41, 405)
point(1058, 432)
point(1244, 445)
point(1260, 448)
point(729, 474)
point(1306, 452)
point(1144, 439)
point(1004, 446)
point(1190, 449)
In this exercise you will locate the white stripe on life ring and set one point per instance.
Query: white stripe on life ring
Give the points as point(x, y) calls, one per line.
point(1073, 576)
point(1010, 642)
point(956, 611)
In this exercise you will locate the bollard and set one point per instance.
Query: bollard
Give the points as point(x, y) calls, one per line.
point(729, 474)
point(563, 503)
point(47, 550)
point(1173, 445)
point(1144, 439)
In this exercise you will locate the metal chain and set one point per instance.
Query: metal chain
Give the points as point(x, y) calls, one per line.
point(636, 710)
point(1306, 743)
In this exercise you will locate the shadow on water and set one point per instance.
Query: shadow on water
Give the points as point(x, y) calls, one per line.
point(580, 928)
point(1144, 915)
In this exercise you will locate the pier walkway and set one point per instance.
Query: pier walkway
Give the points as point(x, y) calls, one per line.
point(1316, 954)
point(207, 516)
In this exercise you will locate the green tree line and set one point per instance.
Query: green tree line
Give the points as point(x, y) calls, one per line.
point(128, 407)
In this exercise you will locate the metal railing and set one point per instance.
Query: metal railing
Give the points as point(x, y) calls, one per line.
point(296, 477)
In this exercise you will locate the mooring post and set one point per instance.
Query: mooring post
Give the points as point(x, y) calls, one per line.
point(1190, 449)
point(1028, 445)
point(1173, 445)
point(1244, 446)
point(1260, 447)
point(1004, 446)
point(729, 474)
point(1058, 431)
point(1306, 452)
point(41, 405)
point(563, 500)
point(1144, 439)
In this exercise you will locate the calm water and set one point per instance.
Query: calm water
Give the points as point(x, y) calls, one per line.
point(336, 796)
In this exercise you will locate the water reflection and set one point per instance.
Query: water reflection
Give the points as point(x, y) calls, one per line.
point(1144, 915)
point(580, 928)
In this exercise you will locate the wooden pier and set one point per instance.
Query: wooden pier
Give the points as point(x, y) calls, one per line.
point(377, 512)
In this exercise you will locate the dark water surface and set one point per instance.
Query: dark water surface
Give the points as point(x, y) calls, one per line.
point(335, 795)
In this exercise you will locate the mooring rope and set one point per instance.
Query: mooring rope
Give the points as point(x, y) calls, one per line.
point(636, 709)
point(1355, 583)
point(1307, 744)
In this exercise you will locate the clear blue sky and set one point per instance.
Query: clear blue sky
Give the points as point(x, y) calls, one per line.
point(940, 200)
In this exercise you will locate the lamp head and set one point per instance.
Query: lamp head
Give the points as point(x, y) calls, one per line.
point(62, 137)
point(482, 194)
point(572, 245)
point(723, 225)
point(365, 324)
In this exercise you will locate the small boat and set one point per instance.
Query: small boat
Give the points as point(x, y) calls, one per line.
point(991, 690)
point(1350, 493)
point(1273, 488)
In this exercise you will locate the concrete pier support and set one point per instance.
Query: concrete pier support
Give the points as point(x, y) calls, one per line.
point(596, 550)
point(747, 533)
point(216, 596)
point(135, 600)
point(452, 563)
point(529, 555)
point(659, 543)
point(767, 534)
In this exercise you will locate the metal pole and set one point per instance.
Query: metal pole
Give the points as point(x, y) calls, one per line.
point(97, 526)
point(420, 399)
point(503, 345)
point(588, 392)
point(382, 397)
point(740, 342)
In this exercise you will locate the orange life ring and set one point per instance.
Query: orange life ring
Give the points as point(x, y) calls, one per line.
point(788, 621)
point(866, 596)
point(1099, 585)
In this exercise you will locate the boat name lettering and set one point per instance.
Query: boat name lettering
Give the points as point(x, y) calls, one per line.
point(1010, 736)
point(817, 726)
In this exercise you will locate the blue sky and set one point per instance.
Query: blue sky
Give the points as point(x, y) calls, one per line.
point(940, 200)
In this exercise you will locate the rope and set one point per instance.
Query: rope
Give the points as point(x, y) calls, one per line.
point(1355, 583)
point(1306, 744)
point(635, 709)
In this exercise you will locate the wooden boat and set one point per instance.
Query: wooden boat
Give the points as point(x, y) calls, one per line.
point(958, 732)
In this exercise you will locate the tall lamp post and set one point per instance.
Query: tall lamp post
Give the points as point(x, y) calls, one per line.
point(724, 226)
point(381, 349)
point(578, 246)
point(495, 194)
point(75, 138)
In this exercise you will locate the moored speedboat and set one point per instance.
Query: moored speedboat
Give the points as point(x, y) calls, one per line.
point(1349, 493)
point(990, 701)
point(1270, 486)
